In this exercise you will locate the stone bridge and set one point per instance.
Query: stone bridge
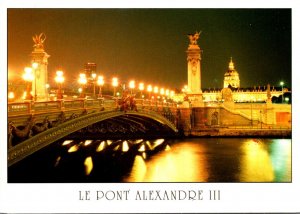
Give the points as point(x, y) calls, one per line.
point(32, 126)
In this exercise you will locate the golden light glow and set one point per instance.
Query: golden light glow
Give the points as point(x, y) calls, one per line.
point(59, 77)
point(87, 142)
point(115, 82)
point(28, 76)
point(162, 91)
point(88, 163)
point(125, 146)
point(256, 164)
point(167, 92)
point(35, 65)
point(100, 80)
point(158, 142)
point(82, 79)
point(142, 148)
point(117, 148)
point(149, 144)
point(181, 164)
point(155, 90)
point(94, 75)
point(149, 88)
point(141, 86)
point(172, 93)
point(67, 142)
point(132, 84)
point(11, 95)
point(138, 171)
point(109, 142)
point(144, 155)
point(73, 149)
point(138, 141)
point(101, 146)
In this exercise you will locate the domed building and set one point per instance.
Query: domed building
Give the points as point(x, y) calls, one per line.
point(231, 77)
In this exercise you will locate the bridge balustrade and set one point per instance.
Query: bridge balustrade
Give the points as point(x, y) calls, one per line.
point(19, 108)
point(73, 104)
point(46, 106)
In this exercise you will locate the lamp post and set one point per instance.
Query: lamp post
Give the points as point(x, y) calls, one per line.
point(82, 81)
point(131, 86)
point(115, 84)
point(141, 88)
point(149, 89)
point(47, 88)
point(155, 90)
point(59, 79)
point(28, 77)
point(167, 93)
point(94, 85)
point(11, 96)
point(282, 83)
point(35, 65)
point(100, 82)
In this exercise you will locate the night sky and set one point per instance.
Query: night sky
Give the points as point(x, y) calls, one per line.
point(150, 44)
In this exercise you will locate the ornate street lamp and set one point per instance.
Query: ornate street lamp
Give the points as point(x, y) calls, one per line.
point(115, 84)
point(28, 77)
point(59, 79)
point(131, 86)
point(100, 82)
point(155, 90)
point(82, 81)
point(172, 94)
point(141, 88)
point(47, 86)
point(167, 92)
point(35, 65)
point(11, 96)
point(282, 83)
point(94, 83)
point(149, 89)
point(184, 89)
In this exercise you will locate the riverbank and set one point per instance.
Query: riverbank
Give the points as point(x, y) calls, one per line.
point(236, 132)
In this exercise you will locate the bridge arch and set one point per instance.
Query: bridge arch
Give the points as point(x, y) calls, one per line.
point(37, 142)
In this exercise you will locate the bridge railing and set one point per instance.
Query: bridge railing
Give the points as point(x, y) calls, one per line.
point(59, 105)
point(48, 106)
point(19, 108)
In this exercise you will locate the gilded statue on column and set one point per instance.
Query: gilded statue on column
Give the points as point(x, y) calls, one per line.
point(39, 41)
point(194, 37)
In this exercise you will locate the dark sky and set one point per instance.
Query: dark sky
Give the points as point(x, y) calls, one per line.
point(151, 44)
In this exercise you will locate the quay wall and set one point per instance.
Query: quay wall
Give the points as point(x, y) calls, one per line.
point(227, 132)
point(235, 121)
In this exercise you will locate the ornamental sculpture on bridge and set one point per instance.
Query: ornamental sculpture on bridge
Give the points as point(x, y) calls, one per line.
point(39, 41)
point(194, 37)
point(127, 102)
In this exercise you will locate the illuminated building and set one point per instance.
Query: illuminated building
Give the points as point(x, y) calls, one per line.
point(231, 77)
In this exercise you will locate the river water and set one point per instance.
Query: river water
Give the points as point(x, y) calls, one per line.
point(180, 160)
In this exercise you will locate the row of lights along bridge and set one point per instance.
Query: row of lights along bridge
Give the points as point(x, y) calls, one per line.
point(154, 92)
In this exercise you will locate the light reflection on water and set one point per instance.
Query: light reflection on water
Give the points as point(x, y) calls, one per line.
point(217, 160)
point(181, 160)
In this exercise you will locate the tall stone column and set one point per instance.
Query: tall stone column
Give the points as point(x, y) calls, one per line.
point(39, 60)
point(194, 69)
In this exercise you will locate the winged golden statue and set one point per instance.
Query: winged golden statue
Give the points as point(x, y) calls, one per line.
point(39, 40)
point(194, 37)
